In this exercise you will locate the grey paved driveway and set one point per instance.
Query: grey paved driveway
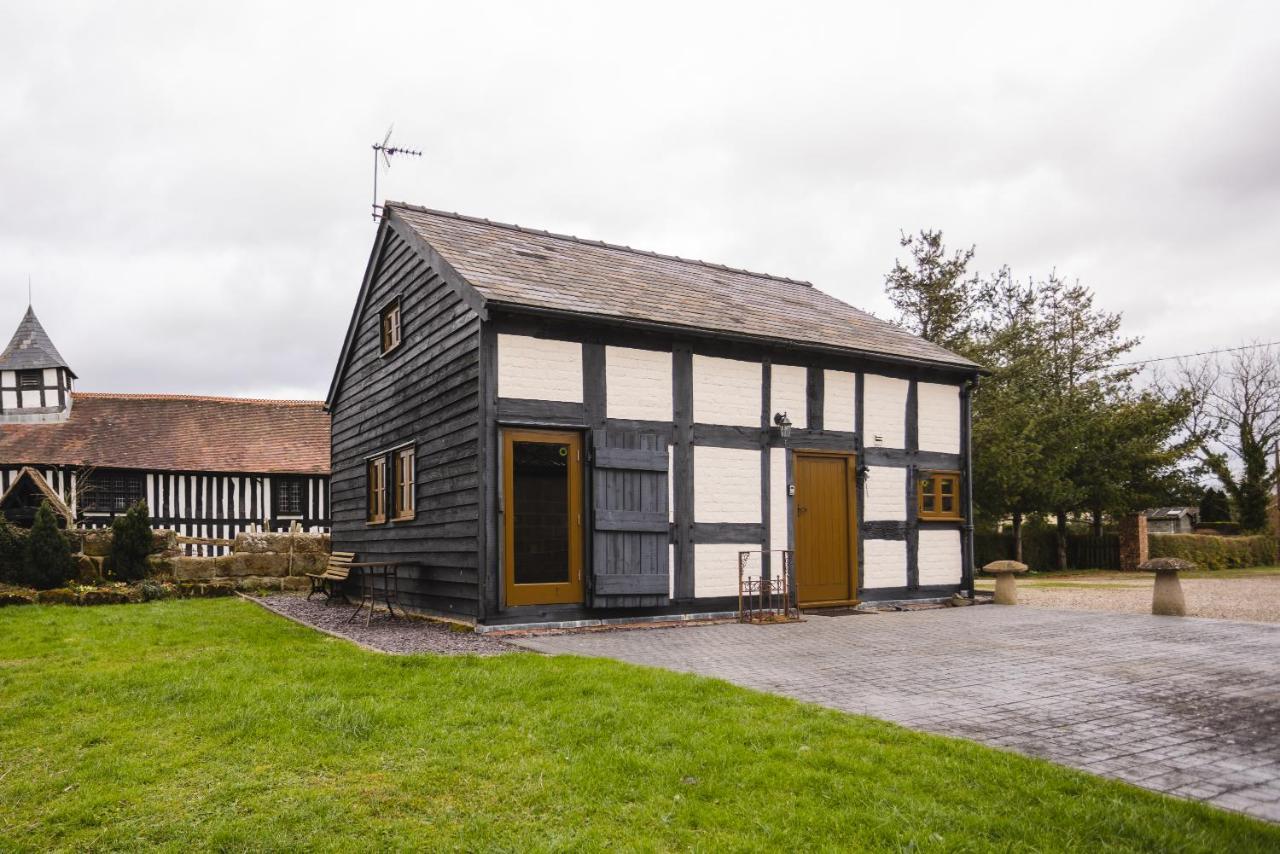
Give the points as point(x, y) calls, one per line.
point(1190, 707)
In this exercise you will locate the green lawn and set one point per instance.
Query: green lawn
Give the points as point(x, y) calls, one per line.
point(215, 725)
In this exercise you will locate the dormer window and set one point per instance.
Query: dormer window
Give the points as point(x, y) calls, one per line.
point(30, 379)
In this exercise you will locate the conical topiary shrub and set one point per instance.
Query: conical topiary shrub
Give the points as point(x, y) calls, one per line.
point(130, 544)
point(48, 561)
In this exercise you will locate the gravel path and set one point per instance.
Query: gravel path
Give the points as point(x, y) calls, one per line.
point(1256, 598)
point(396, 636)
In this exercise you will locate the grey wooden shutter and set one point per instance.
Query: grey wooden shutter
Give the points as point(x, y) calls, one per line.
point(630, 530)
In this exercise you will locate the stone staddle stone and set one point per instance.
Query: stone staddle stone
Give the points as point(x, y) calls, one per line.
point(1005, 572)
point(1166, 597)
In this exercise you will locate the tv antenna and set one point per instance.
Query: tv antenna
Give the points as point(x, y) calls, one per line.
point(386, 151)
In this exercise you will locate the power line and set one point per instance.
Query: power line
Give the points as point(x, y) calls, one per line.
point(1193, 355)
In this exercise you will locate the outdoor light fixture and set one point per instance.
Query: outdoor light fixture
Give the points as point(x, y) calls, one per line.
point(784, 425)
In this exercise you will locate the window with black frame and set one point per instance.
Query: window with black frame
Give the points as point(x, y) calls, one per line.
point(112, 491)
point(290, 496)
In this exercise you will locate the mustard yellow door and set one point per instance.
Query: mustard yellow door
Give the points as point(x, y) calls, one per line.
point(825, 528)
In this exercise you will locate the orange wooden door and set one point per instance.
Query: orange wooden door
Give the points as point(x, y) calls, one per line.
point(542, 496)
point(826, 555)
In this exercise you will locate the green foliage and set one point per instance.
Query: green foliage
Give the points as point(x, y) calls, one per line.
point(1215, 553)
point(935, 297)
point(1235, 425)
point(1214, 507)
point(131, 541)
point(48, 561)
point(13, 548)
point(117, 734)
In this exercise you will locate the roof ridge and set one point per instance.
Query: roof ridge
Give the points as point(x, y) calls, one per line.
point(585, 241)
point(200, 397)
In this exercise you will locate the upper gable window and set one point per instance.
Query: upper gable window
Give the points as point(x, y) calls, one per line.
point(391, 327)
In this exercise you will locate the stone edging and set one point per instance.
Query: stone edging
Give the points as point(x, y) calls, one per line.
point(294, 619)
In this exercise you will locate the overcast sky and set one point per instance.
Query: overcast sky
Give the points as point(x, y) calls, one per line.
point(189, 187)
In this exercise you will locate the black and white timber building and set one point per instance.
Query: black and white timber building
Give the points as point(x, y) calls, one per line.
point(550, 429)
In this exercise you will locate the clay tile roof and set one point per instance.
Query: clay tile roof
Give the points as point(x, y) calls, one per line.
point(31, 347)
point(523, 267)
point(177, 433)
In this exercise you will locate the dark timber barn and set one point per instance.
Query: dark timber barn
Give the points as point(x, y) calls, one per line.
point(551, 429)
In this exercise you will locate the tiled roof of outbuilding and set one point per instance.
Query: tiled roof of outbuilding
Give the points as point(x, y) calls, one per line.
point(515, 266)
point(31, 347)
point(177, 433)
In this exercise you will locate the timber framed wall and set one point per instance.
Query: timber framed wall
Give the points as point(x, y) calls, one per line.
point(426, 392)
point(713, 400)
point(200, 504)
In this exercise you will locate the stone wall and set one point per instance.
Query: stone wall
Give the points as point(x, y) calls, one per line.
point(257, 560)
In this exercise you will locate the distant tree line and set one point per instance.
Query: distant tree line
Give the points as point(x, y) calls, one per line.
point(1061, 427)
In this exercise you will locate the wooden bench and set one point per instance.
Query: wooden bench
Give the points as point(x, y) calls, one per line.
point(334, 575)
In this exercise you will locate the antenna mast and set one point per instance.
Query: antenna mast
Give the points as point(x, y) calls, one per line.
point(386, 150)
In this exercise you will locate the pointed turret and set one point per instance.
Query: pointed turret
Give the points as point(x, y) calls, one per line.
point(35, 381)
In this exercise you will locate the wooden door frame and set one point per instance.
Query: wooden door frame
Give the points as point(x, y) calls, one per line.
point(571, 591)
point(851, 491)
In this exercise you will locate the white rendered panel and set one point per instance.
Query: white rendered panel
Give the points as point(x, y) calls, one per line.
point(884, 563)
point(779, 506)
point(938, 557)
point(539, 368)
point(9, 400)
point(726, 485)
point(637, 384)
point(726, 391)
point(939, 417)
point(885, 494)
point(715, 568)
point(839, 401)
point(788, 392)
point(885, 418)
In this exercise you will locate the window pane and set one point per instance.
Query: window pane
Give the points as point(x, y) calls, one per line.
point(948, 505)
point(927, 503)
point(540, 483)
point(948, 485)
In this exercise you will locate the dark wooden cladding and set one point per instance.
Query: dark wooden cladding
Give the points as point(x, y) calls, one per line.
point(426, 391)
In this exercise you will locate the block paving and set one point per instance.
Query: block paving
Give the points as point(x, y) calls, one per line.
point(1189, 707)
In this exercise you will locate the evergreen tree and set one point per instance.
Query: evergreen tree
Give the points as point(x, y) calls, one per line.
point(130, 544)
point(12, 551)
point(1214, 507)
point(49, 563)
point(936, 296)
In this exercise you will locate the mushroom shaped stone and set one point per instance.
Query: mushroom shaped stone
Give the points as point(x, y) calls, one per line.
point(1166, 597)
point(1005, 571)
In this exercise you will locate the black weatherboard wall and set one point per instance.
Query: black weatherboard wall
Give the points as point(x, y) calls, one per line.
point(424, 392)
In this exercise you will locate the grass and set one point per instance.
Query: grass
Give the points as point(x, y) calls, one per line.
point(213, 725)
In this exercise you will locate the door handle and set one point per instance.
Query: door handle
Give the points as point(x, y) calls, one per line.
point(802, 509)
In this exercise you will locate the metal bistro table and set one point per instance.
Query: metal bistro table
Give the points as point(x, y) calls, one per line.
point(370, 572)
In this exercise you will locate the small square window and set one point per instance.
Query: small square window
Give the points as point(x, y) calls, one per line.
point(391, 328)
point(938, 494)
point(290, 496)
point(30, 379)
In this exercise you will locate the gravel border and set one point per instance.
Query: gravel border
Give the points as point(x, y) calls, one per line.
point(394, 636)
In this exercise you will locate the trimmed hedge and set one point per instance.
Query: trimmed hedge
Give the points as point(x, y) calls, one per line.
point(1210, 551)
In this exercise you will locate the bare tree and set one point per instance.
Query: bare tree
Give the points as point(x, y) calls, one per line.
point(1235, 424)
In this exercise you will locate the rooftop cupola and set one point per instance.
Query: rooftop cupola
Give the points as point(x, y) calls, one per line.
point(35, 381)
